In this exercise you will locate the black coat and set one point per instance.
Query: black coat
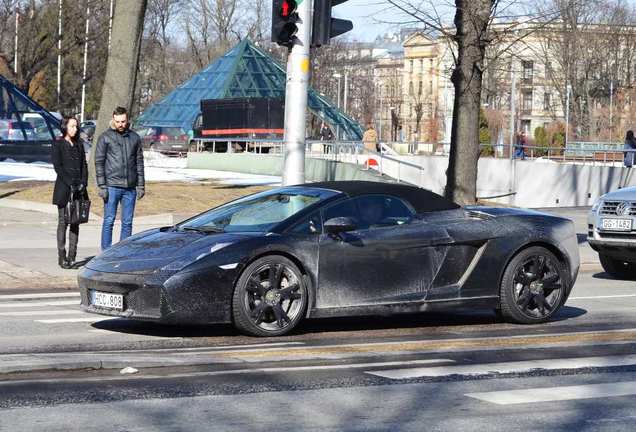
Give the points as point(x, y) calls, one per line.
point(70, 166)
point(119, 160)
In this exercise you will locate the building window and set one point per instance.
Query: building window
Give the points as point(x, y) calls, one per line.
point(548, 70)
point(422, 65)
point(546, 101)
point(411, 66)
point(419, 88)
point(410, 88)
point(527, 70)
point(527, 101)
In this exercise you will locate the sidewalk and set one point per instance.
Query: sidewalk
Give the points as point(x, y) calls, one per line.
point(28, 251)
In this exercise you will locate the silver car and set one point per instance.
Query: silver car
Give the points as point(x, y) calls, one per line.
point(612, 231)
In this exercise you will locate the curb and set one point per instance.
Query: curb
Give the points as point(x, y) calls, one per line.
point(25, 363)
point(159, 219)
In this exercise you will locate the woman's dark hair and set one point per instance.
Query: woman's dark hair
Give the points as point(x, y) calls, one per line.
point(629, 136)
point(64, 127)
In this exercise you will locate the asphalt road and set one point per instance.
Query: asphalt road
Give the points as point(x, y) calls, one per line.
point(451, 371)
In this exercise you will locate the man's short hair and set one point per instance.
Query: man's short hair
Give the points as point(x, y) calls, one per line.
point(119, 111)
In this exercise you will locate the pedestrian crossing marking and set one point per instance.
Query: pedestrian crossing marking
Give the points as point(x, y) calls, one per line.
point(38, 295)
point(552, 394)
point(507, 367)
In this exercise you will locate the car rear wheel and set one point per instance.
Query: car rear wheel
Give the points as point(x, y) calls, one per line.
point(270, 297)
point(617, 268)
point(533, 286)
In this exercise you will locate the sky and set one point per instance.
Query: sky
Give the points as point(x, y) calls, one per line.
point(372, 18)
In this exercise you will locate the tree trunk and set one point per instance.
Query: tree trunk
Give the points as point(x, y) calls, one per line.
point(123, 61)
point(471, 21)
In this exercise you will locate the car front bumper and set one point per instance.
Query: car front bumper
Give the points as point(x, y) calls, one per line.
point(169, 297)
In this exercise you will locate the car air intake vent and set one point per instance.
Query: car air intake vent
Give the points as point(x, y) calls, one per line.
point(619, 208)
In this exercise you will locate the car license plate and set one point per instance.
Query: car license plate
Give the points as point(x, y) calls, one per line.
point(107, 300)
point(616, 224)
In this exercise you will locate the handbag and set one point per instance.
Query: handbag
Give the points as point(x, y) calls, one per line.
point(77, 208)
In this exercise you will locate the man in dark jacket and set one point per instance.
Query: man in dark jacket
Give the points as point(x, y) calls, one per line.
point(119, 169)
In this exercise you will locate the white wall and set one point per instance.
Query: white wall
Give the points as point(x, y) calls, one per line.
point(537, 184)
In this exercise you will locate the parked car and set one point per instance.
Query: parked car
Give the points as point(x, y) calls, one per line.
point(266, 261)
point(612, 231)
point(166, 140)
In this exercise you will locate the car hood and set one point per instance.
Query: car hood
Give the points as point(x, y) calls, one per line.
point(154, 249)
point(626, 194)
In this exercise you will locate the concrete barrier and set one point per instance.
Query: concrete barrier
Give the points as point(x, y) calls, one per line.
point(526, 183)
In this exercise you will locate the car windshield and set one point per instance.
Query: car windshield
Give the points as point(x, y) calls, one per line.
point(256, 213)
point(172, 131)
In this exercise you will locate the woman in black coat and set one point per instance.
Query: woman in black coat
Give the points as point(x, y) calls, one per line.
point(69, 161)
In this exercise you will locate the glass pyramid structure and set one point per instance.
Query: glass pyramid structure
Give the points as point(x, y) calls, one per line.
point(244, 71)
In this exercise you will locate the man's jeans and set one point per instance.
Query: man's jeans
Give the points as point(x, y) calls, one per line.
point(127, 198)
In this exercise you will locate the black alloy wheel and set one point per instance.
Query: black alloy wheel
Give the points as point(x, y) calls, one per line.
point(534, 286)
point(270, 297)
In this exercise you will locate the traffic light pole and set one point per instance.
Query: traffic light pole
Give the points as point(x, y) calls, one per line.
point(298, 67)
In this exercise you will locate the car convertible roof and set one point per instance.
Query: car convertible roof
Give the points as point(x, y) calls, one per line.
point(422, 200)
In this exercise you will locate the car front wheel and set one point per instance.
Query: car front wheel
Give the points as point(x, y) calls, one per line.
point(533, 286)
point(617, 268)
point(270, 297)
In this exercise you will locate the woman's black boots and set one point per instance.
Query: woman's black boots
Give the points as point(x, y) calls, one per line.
point(62, 260)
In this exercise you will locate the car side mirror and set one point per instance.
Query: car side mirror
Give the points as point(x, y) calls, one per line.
point(337, 225)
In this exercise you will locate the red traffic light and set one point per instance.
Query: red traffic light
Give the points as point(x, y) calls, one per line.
point(287, 8)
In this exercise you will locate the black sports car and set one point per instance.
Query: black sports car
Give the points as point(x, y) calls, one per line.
point(265, 261)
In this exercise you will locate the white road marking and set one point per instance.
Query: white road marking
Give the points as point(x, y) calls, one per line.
point(232, 372)
point(39, 295)
point(39, 303)
point(508, 367)
point(42, 313)
point(71, 320)
point(550, 394)
point(602, 297)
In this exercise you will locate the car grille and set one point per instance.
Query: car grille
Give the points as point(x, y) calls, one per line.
point(609, 208)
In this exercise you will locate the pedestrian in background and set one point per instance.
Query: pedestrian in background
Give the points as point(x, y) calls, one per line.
point(325, 135)
point(69, 161)
point(520, 148)
point(630, 146)
point(119, 171)
point(370, 139)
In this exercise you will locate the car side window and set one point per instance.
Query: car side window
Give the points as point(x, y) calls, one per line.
point(382, 210)
point(346, 208)
point(310, 225)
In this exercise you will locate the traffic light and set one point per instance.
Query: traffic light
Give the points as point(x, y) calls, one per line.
point(284, 22)
point(325, 27)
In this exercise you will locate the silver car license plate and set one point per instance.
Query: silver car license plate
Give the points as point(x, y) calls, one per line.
point(107, 300)
point(616, 224)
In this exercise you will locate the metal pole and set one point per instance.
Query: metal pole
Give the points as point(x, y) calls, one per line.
point(346, 91)
point(338, 104)
point(59, 53)
point(610, 113)
point(15, 47)
point(110, 24)
point(567, 114)
point(298, 66)
point(380, 120)
point(513, 109)
point(88, 12)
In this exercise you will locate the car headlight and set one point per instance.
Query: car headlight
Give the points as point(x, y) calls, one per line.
point(597, 204)
point(180, 263)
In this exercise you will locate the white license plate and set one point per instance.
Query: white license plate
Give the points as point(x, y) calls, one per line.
point(107, 300)
point(616, 224)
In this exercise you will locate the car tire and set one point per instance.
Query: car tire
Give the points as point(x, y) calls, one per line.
point(617, 268)
point(270, 297)
point(533, 287)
